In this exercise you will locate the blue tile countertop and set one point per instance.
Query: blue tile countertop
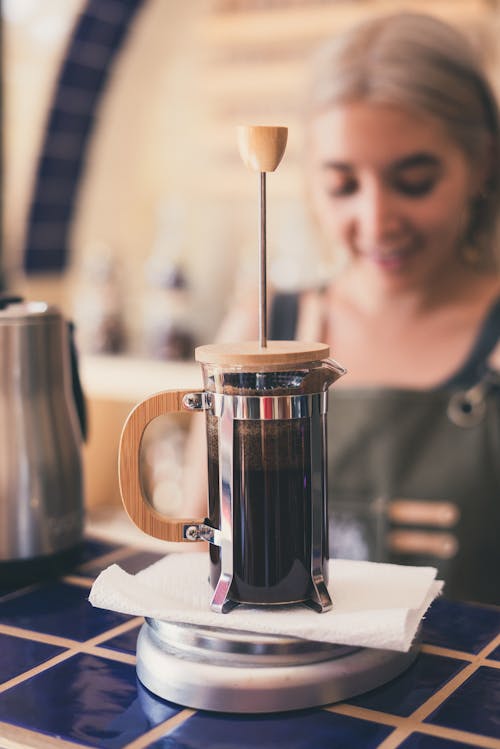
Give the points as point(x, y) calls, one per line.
point(67, 679)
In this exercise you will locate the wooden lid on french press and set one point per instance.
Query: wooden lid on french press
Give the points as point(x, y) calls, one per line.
point(250, 353)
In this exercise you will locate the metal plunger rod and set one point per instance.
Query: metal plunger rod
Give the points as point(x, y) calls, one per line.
point(261, 149)
point(263, 265)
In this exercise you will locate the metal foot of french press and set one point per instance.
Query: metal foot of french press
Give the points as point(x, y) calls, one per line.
point(320, 601)
point(221, 603)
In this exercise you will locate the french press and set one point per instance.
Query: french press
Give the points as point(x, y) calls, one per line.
point(265, 405)
point(267, 485)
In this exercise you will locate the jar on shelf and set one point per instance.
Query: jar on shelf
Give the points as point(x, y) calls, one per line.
point(97, 308)
point(166, 323)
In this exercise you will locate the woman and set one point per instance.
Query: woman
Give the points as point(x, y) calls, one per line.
point(403, 153)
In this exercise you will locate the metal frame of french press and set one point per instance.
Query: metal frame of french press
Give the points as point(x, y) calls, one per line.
point(228, 408)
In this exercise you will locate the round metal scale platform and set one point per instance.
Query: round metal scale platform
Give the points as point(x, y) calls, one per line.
point(212, 668)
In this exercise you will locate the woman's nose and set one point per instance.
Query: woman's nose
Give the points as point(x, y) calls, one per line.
point(380, 219)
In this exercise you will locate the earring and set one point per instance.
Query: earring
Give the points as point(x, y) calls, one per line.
point(471, 255)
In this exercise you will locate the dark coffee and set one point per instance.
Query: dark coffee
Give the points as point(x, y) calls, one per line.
point(271, 510)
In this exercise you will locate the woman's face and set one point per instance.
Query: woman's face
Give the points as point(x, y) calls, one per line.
point(393, 188)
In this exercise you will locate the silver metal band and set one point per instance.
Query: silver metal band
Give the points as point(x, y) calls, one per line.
point(259, 407)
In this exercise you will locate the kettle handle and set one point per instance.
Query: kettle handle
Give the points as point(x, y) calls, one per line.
point(138, 508)
point(78, 395)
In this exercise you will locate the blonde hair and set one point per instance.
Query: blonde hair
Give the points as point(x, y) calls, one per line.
point(422, 64)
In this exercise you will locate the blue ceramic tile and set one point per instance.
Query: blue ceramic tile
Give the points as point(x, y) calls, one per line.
point(495, 654)
point(126, 642)
point(422, 741)
point(18, 655)
point(460, 626)
point(8, 590)
point(87, 699)
point(17, 574)
point(139, 561)
point(93, 548)
point(58, 609)
point(407, 692)
point(134, 563)
point(303, 730)
point(474, 706)
point(50, 568)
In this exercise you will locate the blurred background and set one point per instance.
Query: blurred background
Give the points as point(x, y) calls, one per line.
point(125, 201)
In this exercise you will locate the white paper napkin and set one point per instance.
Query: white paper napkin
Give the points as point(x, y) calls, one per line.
point(374, 605)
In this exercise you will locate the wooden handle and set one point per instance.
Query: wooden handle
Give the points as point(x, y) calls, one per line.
point(139, 510)
point(261, 147)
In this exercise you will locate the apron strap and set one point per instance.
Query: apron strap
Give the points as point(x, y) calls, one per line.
point(312, 324)
point(494, 359)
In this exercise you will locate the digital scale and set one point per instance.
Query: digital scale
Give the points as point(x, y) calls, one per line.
point(212, 668)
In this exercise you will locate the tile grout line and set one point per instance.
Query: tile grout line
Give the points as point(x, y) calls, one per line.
point(455, 734)
point(400, 734)
point(109, 558)
point(161, 730)
point(447, 689)
point(45, 666)
point(490, 647)
point(65, 642)
point(395, 738)
point(33, 635)
point(437, 699)
point(405, 725)
point(18, 592)
point(17, 738)
point(79, 580)
point(115, 631)
point(447, 652)
point(71, 647)
point(365, 713)
point(111, 655)
point(460, 655)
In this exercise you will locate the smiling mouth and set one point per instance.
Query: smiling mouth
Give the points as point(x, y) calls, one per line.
point(391, 259)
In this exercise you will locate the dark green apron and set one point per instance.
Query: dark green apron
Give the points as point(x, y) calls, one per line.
point(387, 445)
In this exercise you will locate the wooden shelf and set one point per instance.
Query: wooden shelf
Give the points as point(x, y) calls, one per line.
point(260, 27)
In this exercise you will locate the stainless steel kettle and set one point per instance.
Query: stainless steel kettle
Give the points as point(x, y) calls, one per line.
point(41, 477)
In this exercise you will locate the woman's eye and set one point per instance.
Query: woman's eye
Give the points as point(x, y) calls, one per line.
point(415, 189)
point(342, 189)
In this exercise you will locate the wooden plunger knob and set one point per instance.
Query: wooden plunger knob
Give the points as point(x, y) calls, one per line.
point(262, 147)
